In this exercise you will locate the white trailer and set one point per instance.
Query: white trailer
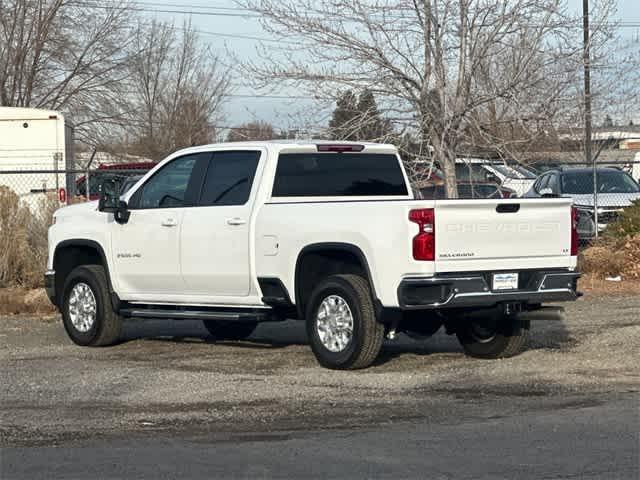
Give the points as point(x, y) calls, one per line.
point(38, 141)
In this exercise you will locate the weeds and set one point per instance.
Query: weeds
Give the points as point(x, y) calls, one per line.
point(23, 240)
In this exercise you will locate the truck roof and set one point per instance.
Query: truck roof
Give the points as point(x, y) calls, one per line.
point(19, 113)
point(296, 145)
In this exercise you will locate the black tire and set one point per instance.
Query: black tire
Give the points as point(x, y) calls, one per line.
point(222, 330)
point(492, 336)
point(368, 333)
point(105, 329)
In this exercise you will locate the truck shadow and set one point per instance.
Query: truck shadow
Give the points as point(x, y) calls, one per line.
point(544, 335)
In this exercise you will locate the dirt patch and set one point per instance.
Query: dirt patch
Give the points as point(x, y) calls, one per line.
point(597, 285)
point(16, 301)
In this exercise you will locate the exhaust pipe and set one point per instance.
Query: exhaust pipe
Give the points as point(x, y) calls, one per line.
point(543, 313)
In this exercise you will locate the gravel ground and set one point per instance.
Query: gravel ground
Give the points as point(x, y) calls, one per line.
point(170, 376)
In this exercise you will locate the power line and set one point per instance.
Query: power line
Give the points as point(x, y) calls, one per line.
point(212, 11)
point(162, 10)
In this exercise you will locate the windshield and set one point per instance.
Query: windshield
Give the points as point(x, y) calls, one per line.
point(513, 171)
point(469, 172)
point(581, 183)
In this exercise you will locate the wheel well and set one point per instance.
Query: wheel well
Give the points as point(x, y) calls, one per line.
point(315, 264)
point(69, 257)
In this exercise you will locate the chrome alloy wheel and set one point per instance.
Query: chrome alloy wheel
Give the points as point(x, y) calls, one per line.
point(82, 307)
point(334, 323)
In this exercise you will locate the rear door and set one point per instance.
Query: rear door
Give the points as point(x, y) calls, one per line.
point(474, 235)
point(214, 247)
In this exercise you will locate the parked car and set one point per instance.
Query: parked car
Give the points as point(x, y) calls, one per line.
point(435, 191)
point(128, 182)
point(107, 173)
point(511, 178)
point(330, 233)
point(516, 178)
point(616, 190)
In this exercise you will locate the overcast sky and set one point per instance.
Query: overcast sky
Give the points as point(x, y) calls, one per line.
point(240, 108)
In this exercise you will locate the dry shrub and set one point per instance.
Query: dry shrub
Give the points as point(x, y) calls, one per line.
point(627, 225)
point(14, 301)
point(611, 257)
point(631, 249)
point(601, 260)
point(37, 229)
point(23, 239)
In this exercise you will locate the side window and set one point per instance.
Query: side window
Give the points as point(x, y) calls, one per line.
point(229, 178)
point(168, 187)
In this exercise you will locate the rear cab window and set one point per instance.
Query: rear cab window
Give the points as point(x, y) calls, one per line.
point(339, 175)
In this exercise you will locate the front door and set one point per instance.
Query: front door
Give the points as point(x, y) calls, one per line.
point(215, 253)
point(146, 249)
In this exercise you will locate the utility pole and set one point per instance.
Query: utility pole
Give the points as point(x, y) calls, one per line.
point(586, 58)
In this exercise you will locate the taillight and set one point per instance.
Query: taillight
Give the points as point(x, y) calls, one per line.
point(574, 231)
point(424, 243)
point(506, 194)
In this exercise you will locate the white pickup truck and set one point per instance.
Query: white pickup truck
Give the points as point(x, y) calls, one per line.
point(235, 234)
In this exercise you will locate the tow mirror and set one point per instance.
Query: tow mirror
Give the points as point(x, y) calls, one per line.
point(110, 202)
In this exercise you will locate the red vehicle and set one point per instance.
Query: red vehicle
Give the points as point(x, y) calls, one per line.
point(108, 172)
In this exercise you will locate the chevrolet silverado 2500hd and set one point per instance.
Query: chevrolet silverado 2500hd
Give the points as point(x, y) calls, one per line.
point(235, 234)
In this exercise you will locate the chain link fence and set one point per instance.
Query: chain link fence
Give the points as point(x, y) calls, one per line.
point(600, 198)
point(28, 199)
point(66, 186)
point(600, 193)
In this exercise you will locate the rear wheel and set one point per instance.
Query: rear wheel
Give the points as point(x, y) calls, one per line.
point(87, 313)
point(341, 323)
point(493, 336)
point(222, 330)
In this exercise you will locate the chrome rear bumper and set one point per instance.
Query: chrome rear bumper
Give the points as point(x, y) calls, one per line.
point(473, 290)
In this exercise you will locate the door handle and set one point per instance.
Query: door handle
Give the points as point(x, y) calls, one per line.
point(169, 222)
point(236, 221)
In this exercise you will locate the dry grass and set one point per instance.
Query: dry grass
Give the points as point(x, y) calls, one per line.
point(23, 240)
point(596, 285)
point(15, 301)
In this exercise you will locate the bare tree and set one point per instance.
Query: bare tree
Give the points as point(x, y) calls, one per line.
point(258, 130)
point(65, 55)
point(358, 118)
point(177, 89)
point(435, 64)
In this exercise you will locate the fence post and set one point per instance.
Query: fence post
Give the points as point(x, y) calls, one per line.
point(86, 183)
point(595, 194)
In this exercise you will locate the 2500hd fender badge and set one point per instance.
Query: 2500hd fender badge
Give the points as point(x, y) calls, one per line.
point(129, 255)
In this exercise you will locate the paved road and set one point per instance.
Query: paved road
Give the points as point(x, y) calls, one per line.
point(171, 402)
point(598, 441)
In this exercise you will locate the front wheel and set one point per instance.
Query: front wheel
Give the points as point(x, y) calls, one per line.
point(341, 323)
point(87, 314)
point(494, 336)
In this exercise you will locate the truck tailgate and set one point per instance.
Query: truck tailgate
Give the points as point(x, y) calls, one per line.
point(474, 235)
